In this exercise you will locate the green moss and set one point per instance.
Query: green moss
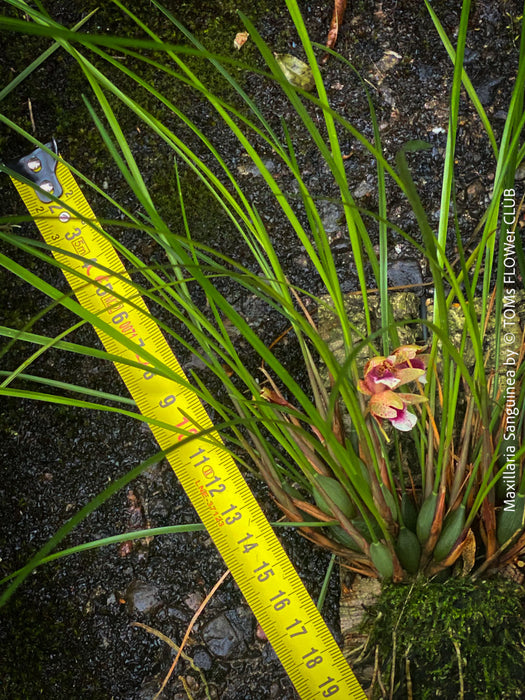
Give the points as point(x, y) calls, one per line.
point(207, 220)
point(431, 626)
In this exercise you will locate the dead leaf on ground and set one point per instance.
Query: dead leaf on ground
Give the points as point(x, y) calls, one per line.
point(389, 60)
point(240, 39)
point(297, 72)
point(136, 520)
point(337, 19)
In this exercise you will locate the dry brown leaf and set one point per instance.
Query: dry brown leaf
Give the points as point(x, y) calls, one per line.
point(466, 549)
point(468, 554)
point(240, 39)
point(337, 19)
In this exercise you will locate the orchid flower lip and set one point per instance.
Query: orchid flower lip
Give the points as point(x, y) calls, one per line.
point(405, 420)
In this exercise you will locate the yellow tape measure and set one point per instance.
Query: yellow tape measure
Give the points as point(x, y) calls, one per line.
point(205, 469)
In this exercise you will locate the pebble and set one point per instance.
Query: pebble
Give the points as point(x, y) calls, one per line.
point(202, 659)
point(275, 691)
point(362, 189)
point(261, 634)
point(178, 614)
point(243, 622)
point(520, 172)
point(404, 272)
point(222, 639)
point(142, 598)
point(474, 189)
point(249, 167)
point(470, 56)
point(194, 600)
point(486, 90)
point(149, 688)
point(331, 215)
point(268, 654)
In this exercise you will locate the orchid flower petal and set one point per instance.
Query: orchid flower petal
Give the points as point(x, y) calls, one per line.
point(412, 398)
point(386, 405)
point(409, 374)
point(404, 421)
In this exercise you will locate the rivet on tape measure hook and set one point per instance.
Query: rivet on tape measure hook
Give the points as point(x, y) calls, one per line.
point(203, 466)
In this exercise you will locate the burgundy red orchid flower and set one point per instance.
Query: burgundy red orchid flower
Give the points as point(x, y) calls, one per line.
point(384, 374)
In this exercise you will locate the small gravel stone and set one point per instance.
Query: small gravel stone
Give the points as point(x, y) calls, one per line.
point(249, 168)
point(362, 189)
point(222, 639)
point(331, 216)
point(194, 600)
point(268, 654)
point(243, 622)
point(520, 172)
point(404, 272)
point(474, 189)
point(142, 598)
point(487, 89)
point(202, 659)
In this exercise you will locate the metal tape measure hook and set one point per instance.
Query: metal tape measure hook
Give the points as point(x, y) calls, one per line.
point(40, 167)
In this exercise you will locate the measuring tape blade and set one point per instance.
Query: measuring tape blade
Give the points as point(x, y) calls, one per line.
point(203, 466)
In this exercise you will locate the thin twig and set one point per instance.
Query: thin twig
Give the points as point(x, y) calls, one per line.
point(379, 679)
point(458, 654)
point(172, 644)
point(408, 674)
point(394, 638)
point(188, 631)
point(186, 687)
point(31, 117)
point(393, 669)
